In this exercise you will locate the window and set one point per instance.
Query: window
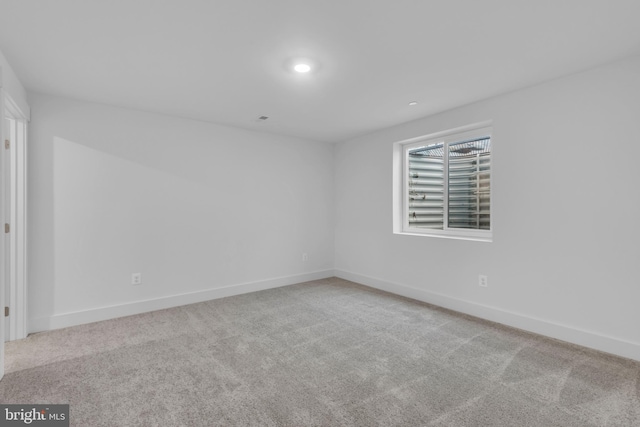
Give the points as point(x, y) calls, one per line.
point(445, 184)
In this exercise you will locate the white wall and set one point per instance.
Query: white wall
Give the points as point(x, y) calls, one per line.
point(566, 170)
point(201, 210)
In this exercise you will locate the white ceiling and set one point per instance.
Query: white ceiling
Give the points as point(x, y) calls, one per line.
point(224, 60)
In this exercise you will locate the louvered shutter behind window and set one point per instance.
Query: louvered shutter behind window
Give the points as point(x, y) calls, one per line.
point(426, 187)
point(468, 194)
point(469, 176)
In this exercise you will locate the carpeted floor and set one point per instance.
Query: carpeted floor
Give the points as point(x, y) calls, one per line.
point(323, 353)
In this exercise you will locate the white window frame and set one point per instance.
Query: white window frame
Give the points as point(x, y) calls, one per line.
point(401, 183)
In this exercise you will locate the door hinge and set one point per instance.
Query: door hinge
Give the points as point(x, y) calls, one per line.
point(6, 312)
point(7, 144)
point(7, 228)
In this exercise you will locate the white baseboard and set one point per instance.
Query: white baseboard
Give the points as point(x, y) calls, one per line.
point(64, 320)
point(566, 333)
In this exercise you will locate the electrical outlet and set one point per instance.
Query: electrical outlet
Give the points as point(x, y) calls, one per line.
point(136, 278)
point(483, 281)
point(305, 257)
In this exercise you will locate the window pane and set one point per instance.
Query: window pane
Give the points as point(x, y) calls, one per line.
point(426, 187)
point(469, 191)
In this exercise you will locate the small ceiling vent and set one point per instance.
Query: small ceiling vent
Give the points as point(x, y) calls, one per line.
point(263, 118)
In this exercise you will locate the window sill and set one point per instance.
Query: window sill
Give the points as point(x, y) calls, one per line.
point(488, 238)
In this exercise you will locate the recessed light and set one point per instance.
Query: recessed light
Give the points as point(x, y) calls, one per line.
point(412, 103)
point(302, 67)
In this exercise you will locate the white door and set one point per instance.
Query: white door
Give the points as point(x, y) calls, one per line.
point(13, 190)
point(9, 134)
point(4, 246)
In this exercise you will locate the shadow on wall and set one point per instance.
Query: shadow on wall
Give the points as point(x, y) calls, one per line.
point(112, 216)
point(198, 223)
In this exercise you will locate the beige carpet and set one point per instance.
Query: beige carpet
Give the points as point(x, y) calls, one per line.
point(324, 353)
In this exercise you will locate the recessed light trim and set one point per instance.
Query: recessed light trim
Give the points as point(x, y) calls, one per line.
point(412, 103)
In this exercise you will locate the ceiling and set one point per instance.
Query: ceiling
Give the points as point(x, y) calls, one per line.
point(225, 61)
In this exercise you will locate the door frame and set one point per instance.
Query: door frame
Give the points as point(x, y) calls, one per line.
point(15, 188)
point(2, 221)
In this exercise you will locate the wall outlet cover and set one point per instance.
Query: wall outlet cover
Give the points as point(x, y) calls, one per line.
point(483, 281)
point(136, 279)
